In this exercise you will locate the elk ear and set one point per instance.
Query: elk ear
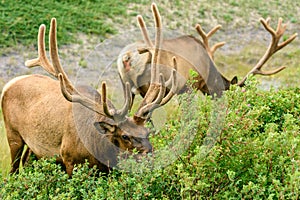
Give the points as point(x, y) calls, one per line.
point(103, 127)
point(146, 51)
point(234, 81)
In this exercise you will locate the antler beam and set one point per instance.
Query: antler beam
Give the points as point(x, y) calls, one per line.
point(42, 59)
point(272, 49)
point(205, 38)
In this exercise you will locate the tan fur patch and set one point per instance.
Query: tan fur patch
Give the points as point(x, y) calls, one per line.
point(12, 82)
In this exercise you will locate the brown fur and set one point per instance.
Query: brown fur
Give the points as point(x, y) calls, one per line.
point(37, 114)
point(190, 54)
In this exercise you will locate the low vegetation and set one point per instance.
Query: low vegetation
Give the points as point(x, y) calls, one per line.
point(19, 20)
point(245, 145)
point(251, 151)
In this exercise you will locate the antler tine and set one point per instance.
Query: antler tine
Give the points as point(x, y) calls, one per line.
point(158, 40)
point(117, 115)
point(170, 80)
point(205, 38)
point(107, 111)
point(157, 45)
point(128, 101)
point(272, 49)
point(144, 31)
point(144, 112)
point(42, 59)
point(148, 108)
point(173, 79)
point(54, 50)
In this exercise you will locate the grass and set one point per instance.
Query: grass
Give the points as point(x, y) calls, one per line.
point(19, 20)
point(4, 150)
point(238, 64)
point(230, 9)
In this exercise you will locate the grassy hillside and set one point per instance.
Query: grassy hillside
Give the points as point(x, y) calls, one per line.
point(19, 20)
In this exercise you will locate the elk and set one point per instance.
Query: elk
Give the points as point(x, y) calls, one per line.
point(192, 54)
point(52, 117)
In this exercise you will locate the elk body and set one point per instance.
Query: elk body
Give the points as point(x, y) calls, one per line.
point(54, 118)
point(37, 114)
point(192, 54)
point(134, 67)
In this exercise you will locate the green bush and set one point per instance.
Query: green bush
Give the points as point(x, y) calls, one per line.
point(247, 150)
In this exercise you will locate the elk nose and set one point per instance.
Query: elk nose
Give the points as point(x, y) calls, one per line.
point(147, 149)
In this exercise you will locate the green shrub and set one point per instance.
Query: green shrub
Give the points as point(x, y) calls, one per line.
point(247, 150)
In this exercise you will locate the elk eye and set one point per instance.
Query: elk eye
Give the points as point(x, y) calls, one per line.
point(126, 58)
point(125, 137)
